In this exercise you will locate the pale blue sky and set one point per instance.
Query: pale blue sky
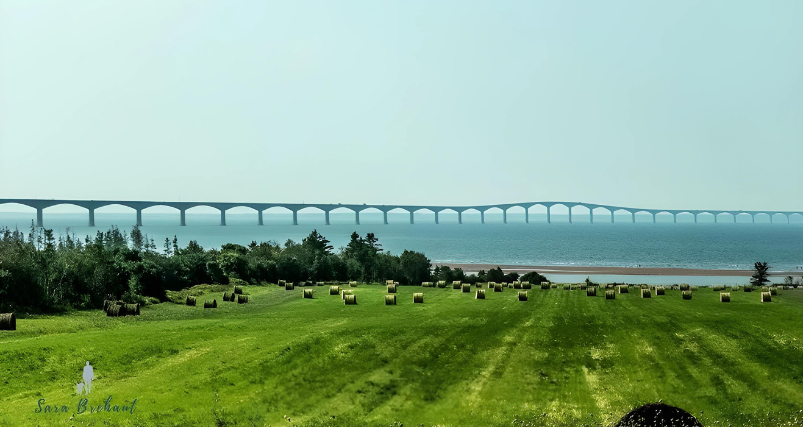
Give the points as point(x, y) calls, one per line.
point(674, 104)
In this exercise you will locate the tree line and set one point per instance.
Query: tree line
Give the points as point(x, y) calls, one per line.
point(40, 272)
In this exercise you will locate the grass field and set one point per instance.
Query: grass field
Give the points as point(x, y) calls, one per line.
point(559, 359)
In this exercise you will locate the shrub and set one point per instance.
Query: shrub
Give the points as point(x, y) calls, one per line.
point(766, 297)
point(307, 294)
point(390, 299)
point(392, 289)
point(724, 297)
point(591, 291)
point(522, 295)
point(334, 290)
point(418, 298)
point(646, 293)
point(610, 294)
point(686, 294)
point(466, 287)
point(350, 299)
point(8, 322)
point(480, 294)
point(747, 288)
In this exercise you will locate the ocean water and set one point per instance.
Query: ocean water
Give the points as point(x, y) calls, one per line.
point(724, 245)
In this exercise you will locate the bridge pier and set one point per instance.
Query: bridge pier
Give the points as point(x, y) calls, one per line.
point(259, 218)
point(675, 218)
point(357, 217)
point(527, 215)
point(753, 217)
point(139, 217)
point(611, 217)
point(183, 217)
point(570, 215)
point(39, 212)
point(482, 217)
point(326, 214)
point(412, 220)
point(436, 218)
point(222, 217)
point(771, 218)
point(504, 216)
point(91, 217)
point(459, 217)
point(548, 215)
point(633, 214)
point(787, 218)
point(386, 217)
point(715, 218)
point(734, 218)
point(695, 218)
point(653, 218)
point(591, 215)
point(295, 217)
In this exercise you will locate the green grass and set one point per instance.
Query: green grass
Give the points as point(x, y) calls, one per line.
point(559, 359)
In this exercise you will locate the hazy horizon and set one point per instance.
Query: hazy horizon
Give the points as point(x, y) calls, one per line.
point(675, 105)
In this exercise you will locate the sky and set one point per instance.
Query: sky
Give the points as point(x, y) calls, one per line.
point(661, 104)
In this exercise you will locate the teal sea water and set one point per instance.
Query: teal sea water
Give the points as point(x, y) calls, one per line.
point(723, 245)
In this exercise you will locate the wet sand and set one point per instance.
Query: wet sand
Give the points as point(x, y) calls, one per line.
point(634, 271)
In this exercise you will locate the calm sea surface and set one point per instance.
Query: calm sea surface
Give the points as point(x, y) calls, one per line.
point(664, 244)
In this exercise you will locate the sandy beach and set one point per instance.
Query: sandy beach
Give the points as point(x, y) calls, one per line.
point(636, 271)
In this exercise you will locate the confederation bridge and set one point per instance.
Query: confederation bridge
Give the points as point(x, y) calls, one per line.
point(90, 205)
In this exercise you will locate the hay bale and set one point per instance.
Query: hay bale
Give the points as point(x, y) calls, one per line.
point(353, 284)
point(516, 285)
point(567, 287)
point(190, 301)
point(107, 303)
point(427, 285)
point(238, 290)
point(522, 295)
point(388, 282)
point(610, 294)
point(210, 304)
point(646, 293)
point(497, 287)
point(345, 292)
point(132, 309)
point(479, 285)
point(774, 290)
point(724, 297)
point(418, 298)
point(8, 322)
point(685, 287)
point(228, 296)
point(623, 289)
point(307, 294)
point(390, 299)
point(116, 310)
point(553, 286)
point(318, 283)
point(334, 290)
point(441, 284)
point(766, 297)
point(591, 291)
point(392, 288)
point(526, 285)
point(466, 287)
point(288, 286)
point(282, 282)
point(660, 290)
point(350, 299)
point(242, 299)
point(686, 294)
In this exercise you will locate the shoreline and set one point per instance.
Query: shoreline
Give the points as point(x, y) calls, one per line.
point(618, 271)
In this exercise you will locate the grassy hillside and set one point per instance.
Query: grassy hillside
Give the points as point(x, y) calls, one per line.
point(561, 358)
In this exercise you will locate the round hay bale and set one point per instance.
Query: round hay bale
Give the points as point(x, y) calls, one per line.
point(479, 285)
point(686, 294)
point(685, 287)
point(227, 296)
point(466, 288)
point(418, 298)
point(344, 292)
point(658, 414)
point(116, 311)
point(107, 303)
point(353, 284)
point(766, 297)
point(497, 287)
point(238, 290)
point(774, 290)
point(544, 285)
point(350, 299)
point(567, 287)
point(282, 282)
point(392, 288)
point(456, 284)
point(210, 304)
point(646, 293)
point(724, 297)
point(8, 322)
point(480, 294)
point(334, 290)
point(591, 291)
point(390, 299)
point(191, 300)
point(623, 289)
point(526, 285)
point(132, 309)
point(388, 282)
point(288, 286)
point(243, 299)
point(660, 291)
point(522, 295)
point(610, 294)
point(307, 294)
point(516, 285)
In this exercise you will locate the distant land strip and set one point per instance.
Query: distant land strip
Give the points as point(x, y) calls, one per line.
point(614, 271)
